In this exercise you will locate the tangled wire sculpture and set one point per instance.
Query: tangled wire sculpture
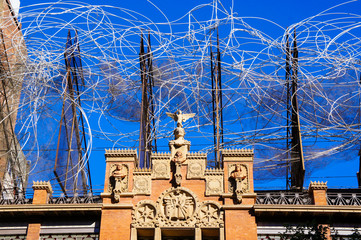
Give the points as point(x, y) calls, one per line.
point(253, 81)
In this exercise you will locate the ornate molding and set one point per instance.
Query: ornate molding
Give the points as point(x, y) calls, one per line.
point(177, 208)
point(196, 156)
point(160, 156)
point(214, 172)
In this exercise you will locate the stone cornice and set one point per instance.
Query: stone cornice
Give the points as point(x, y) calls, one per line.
point(50, 209)
point(142, 171)
point(196, 155)
point(160, 156)
point(302, 209)
point(237, 207)
point(214, 172)
point(117, 206)
point(237, 152)
point(121, 153)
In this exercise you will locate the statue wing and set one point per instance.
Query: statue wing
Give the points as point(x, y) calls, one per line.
point(172, 115)
point(188, 116)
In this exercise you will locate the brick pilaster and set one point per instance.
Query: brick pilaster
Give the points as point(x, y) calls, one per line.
point(42, 191)
point(240, 224)
point(318, 193)
point(33, 232)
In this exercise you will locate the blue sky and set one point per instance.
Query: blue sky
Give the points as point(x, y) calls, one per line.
point(283, 13)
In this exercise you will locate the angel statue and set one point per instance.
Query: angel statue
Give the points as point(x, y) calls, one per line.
point(180, 117)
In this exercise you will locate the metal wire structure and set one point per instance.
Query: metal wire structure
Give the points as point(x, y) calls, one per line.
point(254, 92)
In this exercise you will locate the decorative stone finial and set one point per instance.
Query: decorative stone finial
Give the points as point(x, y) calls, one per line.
point(318, 185)
point(42, 185)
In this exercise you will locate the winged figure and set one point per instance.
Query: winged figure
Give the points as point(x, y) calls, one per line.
point(180, 117)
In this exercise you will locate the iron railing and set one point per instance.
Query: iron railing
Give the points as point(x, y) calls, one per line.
point(17, 200)
point(347, 199)
point(76, 199)
point(284, 198)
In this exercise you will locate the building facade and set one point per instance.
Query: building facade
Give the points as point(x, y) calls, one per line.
point(179, 198)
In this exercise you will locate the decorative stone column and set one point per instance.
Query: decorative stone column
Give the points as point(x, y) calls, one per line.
point(221, 232)
point(133, 233)
point(157, 233)
point(198, 233)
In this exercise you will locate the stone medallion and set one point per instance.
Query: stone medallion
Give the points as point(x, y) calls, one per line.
point(144, 214)
point(177, 206)
point(210, 214)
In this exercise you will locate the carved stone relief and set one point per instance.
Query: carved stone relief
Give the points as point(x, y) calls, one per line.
point(214, 182)
point(144, 214)
point(118, 180)
point(142, 183)
point(195, 169)
point(238, 180)
point(214, 185)
point(178, 208)
point(177, 161)
point(179, 144)
point(178, 205)
point(161, 166)
point(210, 214)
